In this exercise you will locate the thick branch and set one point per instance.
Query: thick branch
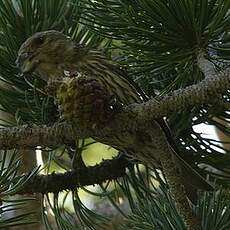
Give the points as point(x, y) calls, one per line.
point(205, 65)
point(136, 132)
point(178, 190)
point(130, 117)
point(202, 93)
point(30, 137)
point(56, 182)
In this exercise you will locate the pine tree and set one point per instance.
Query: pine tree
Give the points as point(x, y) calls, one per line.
point(178, 50)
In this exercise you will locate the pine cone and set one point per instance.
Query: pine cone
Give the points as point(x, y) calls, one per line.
point(84, 100)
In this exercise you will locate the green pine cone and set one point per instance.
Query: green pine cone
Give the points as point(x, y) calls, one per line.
point(83, 100)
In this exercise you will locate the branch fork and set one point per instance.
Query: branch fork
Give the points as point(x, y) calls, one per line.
point(134, 123)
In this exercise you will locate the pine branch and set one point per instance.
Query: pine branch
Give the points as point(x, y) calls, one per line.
point(194, 95)
point(132, 116)
point(133, 124)
point(205, 65)
point(71, 180)
point(32, 136)
point(136, 118)
point(178, 191)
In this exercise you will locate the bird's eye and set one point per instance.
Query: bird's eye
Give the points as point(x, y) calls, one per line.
point(39, 41)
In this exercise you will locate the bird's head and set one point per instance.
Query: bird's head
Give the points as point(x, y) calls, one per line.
point(44, 53)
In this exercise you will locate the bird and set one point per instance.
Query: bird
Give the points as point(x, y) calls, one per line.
point(55, 56)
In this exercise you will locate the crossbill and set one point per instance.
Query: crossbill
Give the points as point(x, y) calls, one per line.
point(88, 87)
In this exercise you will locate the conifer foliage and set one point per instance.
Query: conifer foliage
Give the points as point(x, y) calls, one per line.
point(159, 43)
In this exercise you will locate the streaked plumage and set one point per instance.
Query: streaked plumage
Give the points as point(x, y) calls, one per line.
point(51, 53)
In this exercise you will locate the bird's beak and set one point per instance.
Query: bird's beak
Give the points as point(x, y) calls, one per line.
point(21, 62)
point(24, 64)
